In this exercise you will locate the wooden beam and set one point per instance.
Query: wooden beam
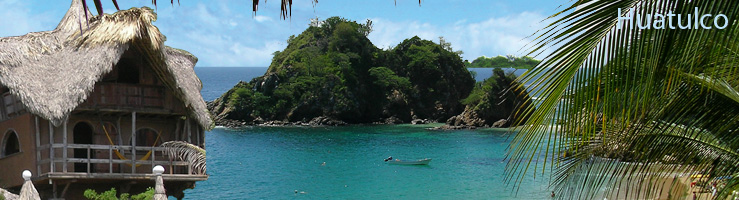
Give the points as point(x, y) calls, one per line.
point(197, 135)
point(133, 142)
point(53, 188)
point(38, 145)
point(88, 160)
point(189, 131)
point(64, 140)
point(177, 134)
point(118, 131)
point(110, 158)
point(64, 191)
point(51, 148)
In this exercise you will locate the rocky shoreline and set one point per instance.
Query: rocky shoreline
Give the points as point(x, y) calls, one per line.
point(315, 122)
point(323, 121)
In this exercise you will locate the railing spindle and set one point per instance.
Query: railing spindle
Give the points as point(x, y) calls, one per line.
point(110, 159)
point(88, 159)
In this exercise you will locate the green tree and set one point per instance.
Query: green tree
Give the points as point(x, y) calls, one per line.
point(386, 78)
point(112, 194)
point(632, 104)
point(503, 62)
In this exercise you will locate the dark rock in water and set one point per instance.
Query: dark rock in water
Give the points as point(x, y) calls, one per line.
point(500, 123)
point(232, 123)
point(276, 123)
point(393, 120)
point(326, 121)
point(419, 121)
point(468, 118)
point(450, 127)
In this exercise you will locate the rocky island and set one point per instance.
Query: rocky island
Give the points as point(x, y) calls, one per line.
point(331, 74)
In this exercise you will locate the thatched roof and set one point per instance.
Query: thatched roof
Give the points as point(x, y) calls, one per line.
point(53, 72)
point(7, 195)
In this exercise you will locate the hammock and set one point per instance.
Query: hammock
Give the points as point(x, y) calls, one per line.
point(120, 156)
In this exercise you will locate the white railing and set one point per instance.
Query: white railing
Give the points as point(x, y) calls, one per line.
point(158, 157)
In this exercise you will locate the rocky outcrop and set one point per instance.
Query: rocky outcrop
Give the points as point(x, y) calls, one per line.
point(493, 104)
point(419, 121)
point(325, 121)
point(468, 117)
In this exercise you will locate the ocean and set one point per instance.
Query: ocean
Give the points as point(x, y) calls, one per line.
point(347, 162)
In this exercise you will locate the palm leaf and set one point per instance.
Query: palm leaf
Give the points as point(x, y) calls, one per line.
point(187, 152)
point(629, 98)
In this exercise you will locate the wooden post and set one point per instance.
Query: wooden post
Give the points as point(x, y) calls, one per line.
point(110, 159)
point(189, 131)
point(53, 186)
point(88, 159)
point(120, 138)
point(177, 134)
point(51, 148)
point(118, 131)
point(153, 156)
point(197, 135)
point(133, 142)
point(202, 136)
point(38, 145)
point(64, 138)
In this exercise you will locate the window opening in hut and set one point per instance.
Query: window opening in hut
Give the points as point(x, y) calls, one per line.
point(11, 144)
point(128, 72)
point(146, 137)
point(13, 106)
point(82, 134)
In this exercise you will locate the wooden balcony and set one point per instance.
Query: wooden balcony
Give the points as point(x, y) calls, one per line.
point(131, 97)
point(101, 162)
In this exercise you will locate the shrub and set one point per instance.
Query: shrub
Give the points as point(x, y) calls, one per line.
point(111, 195)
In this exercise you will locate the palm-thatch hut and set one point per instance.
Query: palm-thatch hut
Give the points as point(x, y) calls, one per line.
point(87, 104)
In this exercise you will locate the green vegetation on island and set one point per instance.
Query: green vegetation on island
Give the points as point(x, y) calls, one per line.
point(508, 61)
point(331, 74)
point(493, 103)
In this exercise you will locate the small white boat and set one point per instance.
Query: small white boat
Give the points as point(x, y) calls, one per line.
point(410, 162)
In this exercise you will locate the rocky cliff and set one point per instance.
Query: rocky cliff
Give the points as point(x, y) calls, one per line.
point(493, 103)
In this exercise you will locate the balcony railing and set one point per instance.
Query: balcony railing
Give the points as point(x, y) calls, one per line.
point(59, 160)
point(121, 96)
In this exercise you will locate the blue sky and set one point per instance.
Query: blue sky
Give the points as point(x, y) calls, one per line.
point(228, 33)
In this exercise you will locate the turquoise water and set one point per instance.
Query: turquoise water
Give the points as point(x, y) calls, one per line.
point(273, 162)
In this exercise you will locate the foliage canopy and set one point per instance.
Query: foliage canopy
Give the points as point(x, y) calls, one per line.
point(503, 62)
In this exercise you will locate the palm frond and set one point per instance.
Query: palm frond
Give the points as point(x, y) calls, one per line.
point(630, 100)
point(190, 153)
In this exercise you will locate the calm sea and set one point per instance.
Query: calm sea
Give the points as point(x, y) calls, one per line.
point(347, 162)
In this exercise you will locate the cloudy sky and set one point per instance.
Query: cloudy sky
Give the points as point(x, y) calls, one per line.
point(228, 33)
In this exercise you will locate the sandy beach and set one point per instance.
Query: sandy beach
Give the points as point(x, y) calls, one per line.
point(682, 189)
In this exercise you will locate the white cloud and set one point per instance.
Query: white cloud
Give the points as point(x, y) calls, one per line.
point(491, 37)
point(204, 15)
point(215, 49)
point(16, 19)
point(262, 18)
